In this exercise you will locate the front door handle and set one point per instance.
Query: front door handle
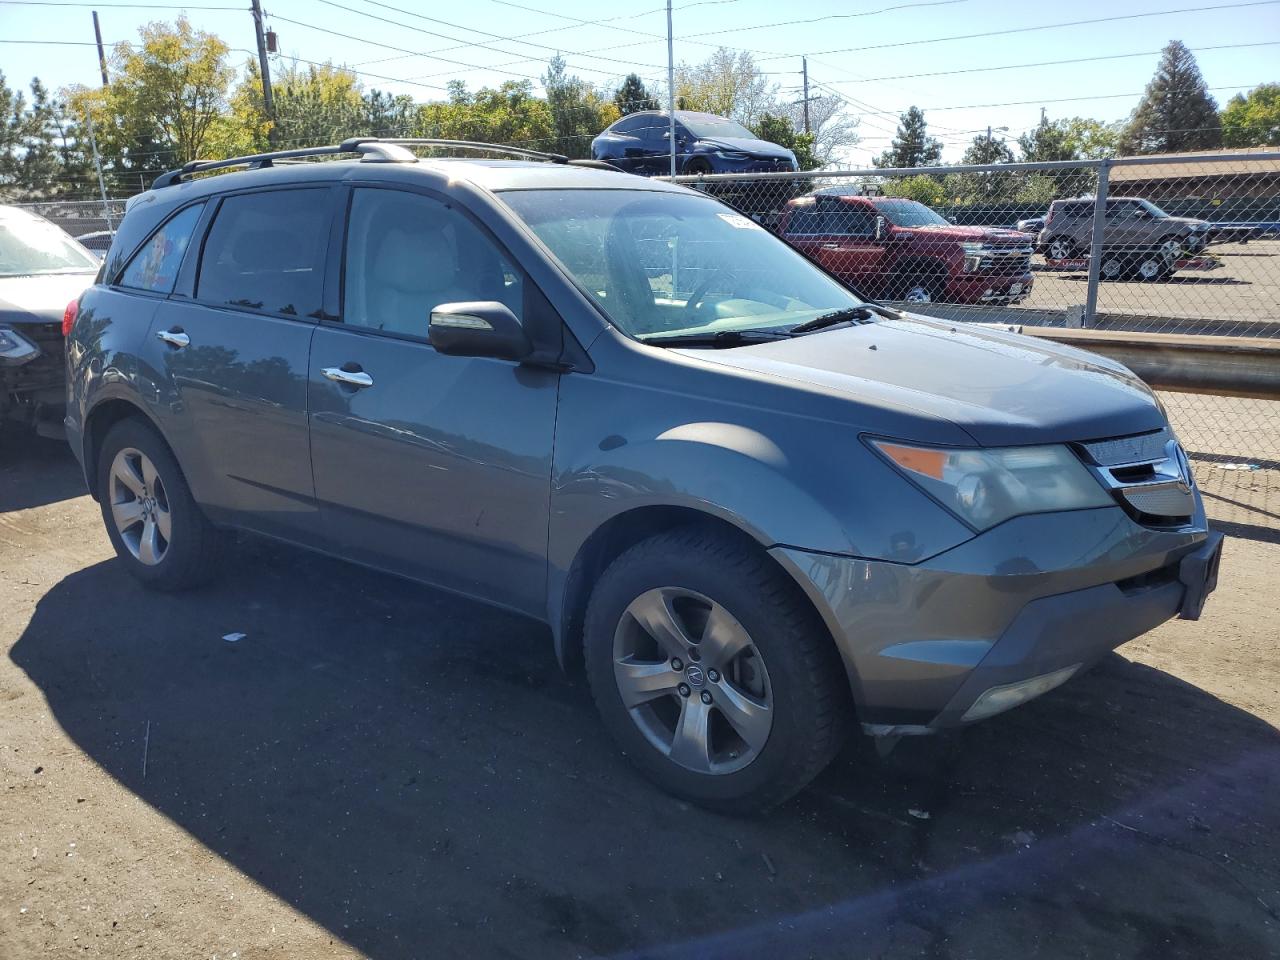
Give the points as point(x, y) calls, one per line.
point(352, 378)
point(831, 246)
point(174, 337)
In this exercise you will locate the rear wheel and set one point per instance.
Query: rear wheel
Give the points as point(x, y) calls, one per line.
point(697, 167)
point(920, 285)
point(711, 671)
point(160, 534)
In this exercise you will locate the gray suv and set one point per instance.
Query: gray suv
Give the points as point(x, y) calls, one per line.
point(1139, 240)
point(755, 508)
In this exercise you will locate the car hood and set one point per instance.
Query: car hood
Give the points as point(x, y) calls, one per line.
point(40, 298)
point(1000, 388)
point(759, 148)
point(1186, 221)
point(998, 236)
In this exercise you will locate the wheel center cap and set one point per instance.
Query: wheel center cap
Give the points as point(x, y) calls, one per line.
point(695, 675)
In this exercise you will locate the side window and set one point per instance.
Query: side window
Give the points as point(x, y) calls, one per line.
point(155, 266)
point(851, 222)
point(628, 126)
point(408, 254)
point(265, 252)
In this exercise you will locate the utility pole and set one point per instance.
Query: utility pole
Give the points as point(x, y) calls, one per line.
point(267, 101)
point(671, 91)
point(804, 68)
point(102, 57)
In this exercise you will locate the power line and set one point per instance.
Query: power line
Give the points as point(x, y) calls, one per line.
point(117, 6)
point(1055, 63)
point(1032, 29)
point(830, 16)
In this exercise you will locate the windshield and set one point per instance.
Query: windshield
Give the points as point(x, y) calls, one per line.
point(666, 264)
point(29, 245)
point(1152, 209)
point(709, 126)
point(909, 213)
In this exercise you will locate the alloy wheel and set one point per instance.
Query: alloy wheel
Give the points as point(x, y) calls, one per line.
point(692, 680)
point(140, 506)
point(918, 293)
point(1060, 249)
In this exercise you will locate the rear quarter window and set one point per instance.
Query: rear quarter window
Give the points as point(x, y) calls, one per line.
point(155, 266)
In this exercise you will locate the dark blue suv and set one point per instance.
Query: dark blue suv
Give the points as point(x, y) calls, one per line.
point(641, 143)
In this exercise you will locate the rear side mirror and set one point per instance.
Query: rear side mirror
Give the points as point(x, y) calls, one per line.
point(882, 228)
point(478, 328)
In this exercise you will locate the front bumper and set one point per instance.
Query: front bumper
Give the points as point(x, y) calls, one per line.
point(1030, 598)
point(989, 288)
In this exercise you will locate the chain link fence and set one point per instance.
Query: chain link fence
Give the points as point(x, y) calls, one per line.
point(1167, 250)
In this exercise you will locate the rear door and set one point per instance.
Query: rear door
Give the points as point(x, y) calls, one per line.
point(229, 352)
point(432, 466)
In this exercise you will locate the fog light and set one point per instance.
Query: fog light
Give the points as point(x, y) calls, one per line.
point(998, 699)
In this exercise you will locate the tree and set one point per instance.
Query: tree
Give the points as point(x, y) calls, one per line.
point(987, 186)
point(830, 126)
point(921, 188)
point(912, 146)
point(633, 96)
point(728, 85)
point(1047, 142)
point(1253, 119)
point(41, 153)
point(167, 96)
point(388, 116)
point(780, 130)
point(578, 111)
point(1176, 113)
point(508, 114)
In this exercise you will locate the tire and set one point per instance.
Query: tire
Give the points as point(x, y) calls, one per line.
point(697, 167)
point(1061, 248)
point(1115, 266)
point(917, 287)
point(1152, 266)
point(687, 578)
point(138, 477)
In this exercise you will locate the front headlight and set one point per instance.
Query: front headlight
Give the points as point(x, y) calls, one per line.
point(973, 254)
point(987, 487)
point(732, 155)
point(15, 348)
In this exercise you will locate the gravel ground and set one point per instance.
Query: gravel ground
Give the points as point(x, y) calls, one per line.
point(377, 769)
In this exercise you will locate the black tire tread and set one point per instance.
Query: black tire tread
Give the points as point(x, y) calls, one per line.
point(821, 669)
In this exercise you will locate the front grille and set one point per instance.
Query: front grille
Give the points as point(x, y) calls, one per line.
point(46, 368)
point(1148, 474)
point(1007, 261)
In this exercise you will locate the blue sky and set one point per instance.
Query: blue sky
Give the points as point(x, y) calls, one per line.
point(878, 53)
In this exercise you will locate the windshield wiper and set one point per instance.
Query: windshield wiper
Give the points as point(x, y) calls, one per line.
point(847, 315)
point(718, 338)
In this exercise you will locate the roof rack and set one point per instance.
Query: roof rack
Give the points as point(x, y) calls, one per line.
point(370, 149)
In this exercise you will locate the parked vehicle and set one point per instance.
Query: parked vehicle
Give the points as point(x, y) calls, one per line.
point(1134, 231)
point(97, 242)
point(1031, 225)
point(753, 507)
point(41, 268)
point(641, 143)
point(902, 250)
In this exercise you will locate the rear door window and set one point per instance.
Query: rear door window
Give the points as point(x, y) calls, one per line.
point(265, 252)
point(155, 266)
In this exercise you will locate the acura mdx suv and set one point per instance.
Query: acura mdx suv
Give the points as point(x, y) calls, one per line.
point(755, 508)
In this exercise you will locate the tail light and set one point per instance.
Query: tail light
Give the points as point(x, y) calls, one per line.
point(69, 317)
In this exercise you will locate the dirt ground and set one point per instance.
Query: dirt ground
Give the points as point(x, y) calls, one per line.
point(380, 770)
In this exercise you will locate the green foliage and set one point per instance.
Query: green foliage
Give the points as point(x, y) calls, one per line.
point(1253, 120)
point(41, 151)
point(728, 85)
point(921, 187)
point(1038, 189)
point(1047, 142)
point(632, 96)
point(780, 130)
point(578, 110)
point(912, 146)
point(167, 95)
point(509, 114)
point(1176, 113)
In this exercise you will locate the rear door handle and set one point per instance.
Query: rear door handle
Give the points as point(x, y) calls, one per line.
point(174, 337)
point(831, 246)
point(352, 378)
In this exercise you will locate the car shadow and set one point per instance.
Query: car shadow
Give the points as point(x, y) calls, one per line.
point(413, 772)
point(36, 470)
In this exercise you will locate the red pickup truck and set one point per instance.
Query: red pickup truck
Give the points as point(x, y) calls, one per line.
point(896, 249)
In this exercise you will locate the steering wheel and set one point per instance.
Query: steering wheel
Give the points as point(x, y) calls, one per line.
point(694, 303)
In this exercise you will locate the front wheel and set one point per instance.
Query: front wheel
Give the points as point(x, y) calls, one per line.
point(157, 529)
point(712, 672)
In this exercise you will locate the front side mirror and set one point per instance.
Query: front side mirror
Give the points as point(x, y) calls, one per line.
point(478, 328)
point(882, 228)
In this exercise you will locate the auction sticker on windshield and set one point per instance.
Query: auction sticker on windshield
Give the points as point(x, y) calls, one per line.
point(739, 221)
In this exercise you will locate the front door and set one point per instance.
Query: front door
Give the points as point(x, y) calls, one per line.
point(433, 466)
point(231, 359)
point(843, 239)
